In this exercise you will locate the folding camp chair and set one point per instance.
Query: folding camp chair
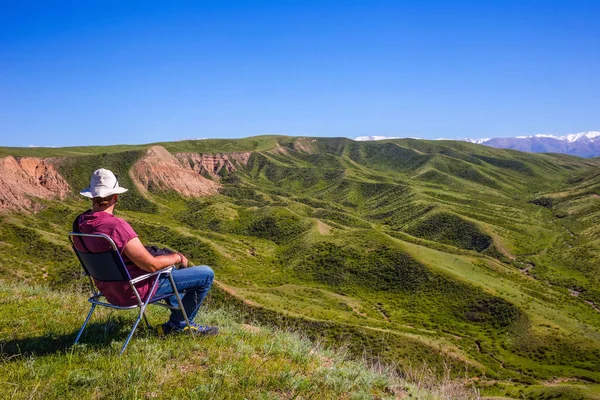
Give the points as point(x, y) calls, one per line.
point(108, 266)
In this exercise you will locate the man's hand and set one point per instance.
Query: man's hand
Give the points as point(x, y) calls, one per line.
point(184, 261)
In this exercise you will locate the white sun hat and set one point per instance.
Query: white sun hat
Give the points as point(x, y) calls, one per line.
point(103, 183)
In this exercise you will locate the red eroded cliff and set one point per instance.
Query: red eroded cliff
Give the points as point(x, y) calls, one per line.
point(212, 164)
point(161, 170)
point(24, 178)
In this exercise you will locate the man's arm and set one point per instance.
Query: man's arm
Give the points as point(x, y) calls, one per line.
point(137, 253)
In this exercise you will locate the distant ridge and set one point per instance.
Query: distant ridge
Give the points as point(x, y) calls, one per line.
point(583, 144)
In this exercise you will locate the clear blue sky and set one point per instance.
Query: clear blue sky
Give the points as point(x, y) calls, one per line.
point(108, 72)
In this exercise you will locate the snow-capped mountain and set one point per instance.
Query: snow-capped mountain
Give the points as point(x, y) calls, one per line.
point(477, 141)
point(583, 144)
point(579, 136)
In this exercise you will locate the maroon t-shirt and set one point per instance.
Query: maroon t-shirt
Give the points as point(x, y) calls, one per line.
point(118, 293)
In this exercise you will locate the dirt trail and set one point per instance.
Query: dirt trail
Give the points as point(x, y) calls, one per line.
point(323, 228)
point(229, 290)
point(383, 315)
point(594, 306)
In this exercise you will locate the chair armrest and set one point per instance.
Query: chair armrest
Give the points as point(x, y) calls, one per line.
point(146, 276)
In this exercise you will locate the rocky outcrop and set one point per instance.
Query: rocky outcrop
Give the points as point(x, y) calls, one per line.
point(305, 145)
point(213, 164)
point(159, 169)
point(23, 179)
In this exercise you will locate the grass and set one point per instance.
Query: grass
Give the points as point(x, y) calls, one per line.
point(243, 361)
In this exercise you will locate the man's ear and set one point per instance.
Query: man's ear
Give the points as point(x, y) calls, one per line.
point(115, 198)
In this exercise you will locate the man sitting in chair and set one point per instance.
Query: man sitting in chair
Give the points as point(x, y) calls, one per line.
point(195, 282)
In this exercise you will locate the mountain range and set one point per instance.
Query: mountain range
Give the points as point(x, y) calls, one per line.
point(583, 144)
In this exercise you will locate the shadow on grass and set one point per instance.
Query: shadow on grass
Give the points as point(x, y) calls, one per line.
point(96, 336)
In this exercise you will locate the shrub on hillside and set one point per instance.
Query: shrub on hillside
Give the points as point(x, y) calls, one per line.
point(276, 224)
point(451, 229)
point(464, 170)
point(542, 201)
point(341, 218)
point(243, 195)
point(314, 203)
point(387, 156)
point(32, 245)
point(51, 262)
point(201, 215)
point(575, 179)
point(381, 269)
point(437, 177)
point(507, 163)
point(494, 310)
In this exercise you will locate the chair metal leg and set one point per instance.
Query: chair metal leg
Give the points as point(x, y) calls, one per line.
point(85, 323)
point(137, 321)
point(146, 320)
point(187, 321)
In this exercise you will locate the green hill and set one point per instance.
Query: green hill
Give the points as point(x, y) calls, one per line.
point(244, 361)
point(409, 251)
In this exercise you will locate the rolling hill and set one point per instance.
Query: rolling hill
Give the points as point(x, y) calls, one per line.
point(410, 251)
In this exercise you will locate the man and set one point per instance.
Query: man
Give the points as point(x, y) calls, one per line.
point(194, 282)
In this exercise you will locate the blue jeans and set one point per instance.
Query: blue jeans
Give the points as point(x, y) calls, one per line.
point(193, 284)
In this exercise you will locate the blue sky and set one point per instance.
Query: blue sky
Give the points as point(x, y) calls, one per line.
point(108, 72)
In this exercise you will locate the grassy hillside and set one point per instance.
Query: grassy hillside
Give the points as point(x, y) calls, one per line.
point(257, 143)
point(244, 361)
point(409, 251)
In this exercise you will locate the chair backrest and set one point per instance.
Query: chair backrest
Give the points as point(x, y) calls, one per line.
point(105, 266)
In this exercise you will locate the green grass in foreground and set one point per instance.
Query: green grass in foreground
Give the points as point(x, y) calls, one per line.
point(243, 361)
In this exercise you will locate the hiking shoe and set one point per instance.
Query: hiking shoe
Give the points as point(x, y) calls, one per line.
point(204, 330)
point(167, 329)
